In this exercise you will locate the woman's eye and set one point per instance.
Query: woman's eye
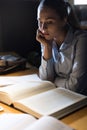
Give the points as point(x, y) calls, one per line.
point(49, 22)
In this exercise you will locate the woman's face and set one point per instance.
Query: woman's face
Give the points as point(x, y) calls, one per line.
point(49, 23)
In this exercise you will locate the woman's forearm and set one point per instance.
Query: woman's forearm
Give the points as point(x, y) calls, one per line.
point(47, 54)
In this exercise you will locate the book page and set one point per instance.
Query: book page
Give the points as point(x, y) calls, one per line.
point(9, 80)
point(21, 90)
point(55, 102)
point(48, 123)
point(10, 121)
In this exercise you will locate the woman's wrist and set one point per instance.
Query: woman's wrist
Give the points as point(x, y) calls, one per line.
point(47, 52)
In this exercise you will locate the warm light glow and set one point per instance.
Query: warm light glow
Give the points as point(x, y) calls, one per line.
point(80, 2)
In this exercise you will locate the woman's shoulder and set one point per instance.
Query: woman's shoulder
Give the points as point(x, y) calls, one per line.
point(81, 38)
point(80, 33)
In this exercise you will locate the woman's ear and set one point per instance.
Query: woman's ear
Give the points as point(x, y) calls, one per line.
point(65, 21)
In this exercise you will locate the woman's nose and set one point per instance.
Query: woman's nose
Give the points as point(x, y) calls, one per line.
point(43, 27)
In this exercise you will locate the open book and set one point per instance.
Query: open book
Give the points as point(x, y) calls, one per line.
point(9, 80)
point(41, 98)
point(28, 122)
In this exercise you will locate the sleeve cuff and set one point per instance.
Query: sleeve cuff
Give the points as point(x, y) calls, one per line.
point(45, 63)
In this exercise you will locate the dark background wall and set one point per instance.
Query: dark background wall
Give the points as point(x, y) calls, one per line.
point(18, 26)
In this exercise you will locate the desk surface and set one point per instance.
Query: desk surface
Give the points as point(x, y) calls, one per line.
point(77, 120)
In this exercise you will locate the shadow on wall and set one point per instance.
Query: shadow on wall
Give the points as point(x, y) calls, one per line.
point(18, 26)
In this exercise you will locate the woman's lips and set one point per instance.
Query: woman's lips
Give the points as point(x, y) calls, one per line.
point(45, 34)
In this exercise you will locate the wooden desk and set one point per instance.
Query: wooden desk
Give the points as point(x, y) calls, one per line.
point(77, 120)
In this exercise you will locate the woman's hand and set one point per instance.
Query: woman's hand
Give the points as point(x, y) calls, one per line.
point(47, 44)
point(40, 38)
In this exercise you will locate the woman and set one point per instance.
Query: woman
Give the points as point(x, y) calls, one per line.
point(64, 46)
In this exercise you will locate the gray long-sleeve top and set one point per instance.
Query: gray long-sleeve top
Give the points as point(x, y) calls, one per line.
point(68, 66)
